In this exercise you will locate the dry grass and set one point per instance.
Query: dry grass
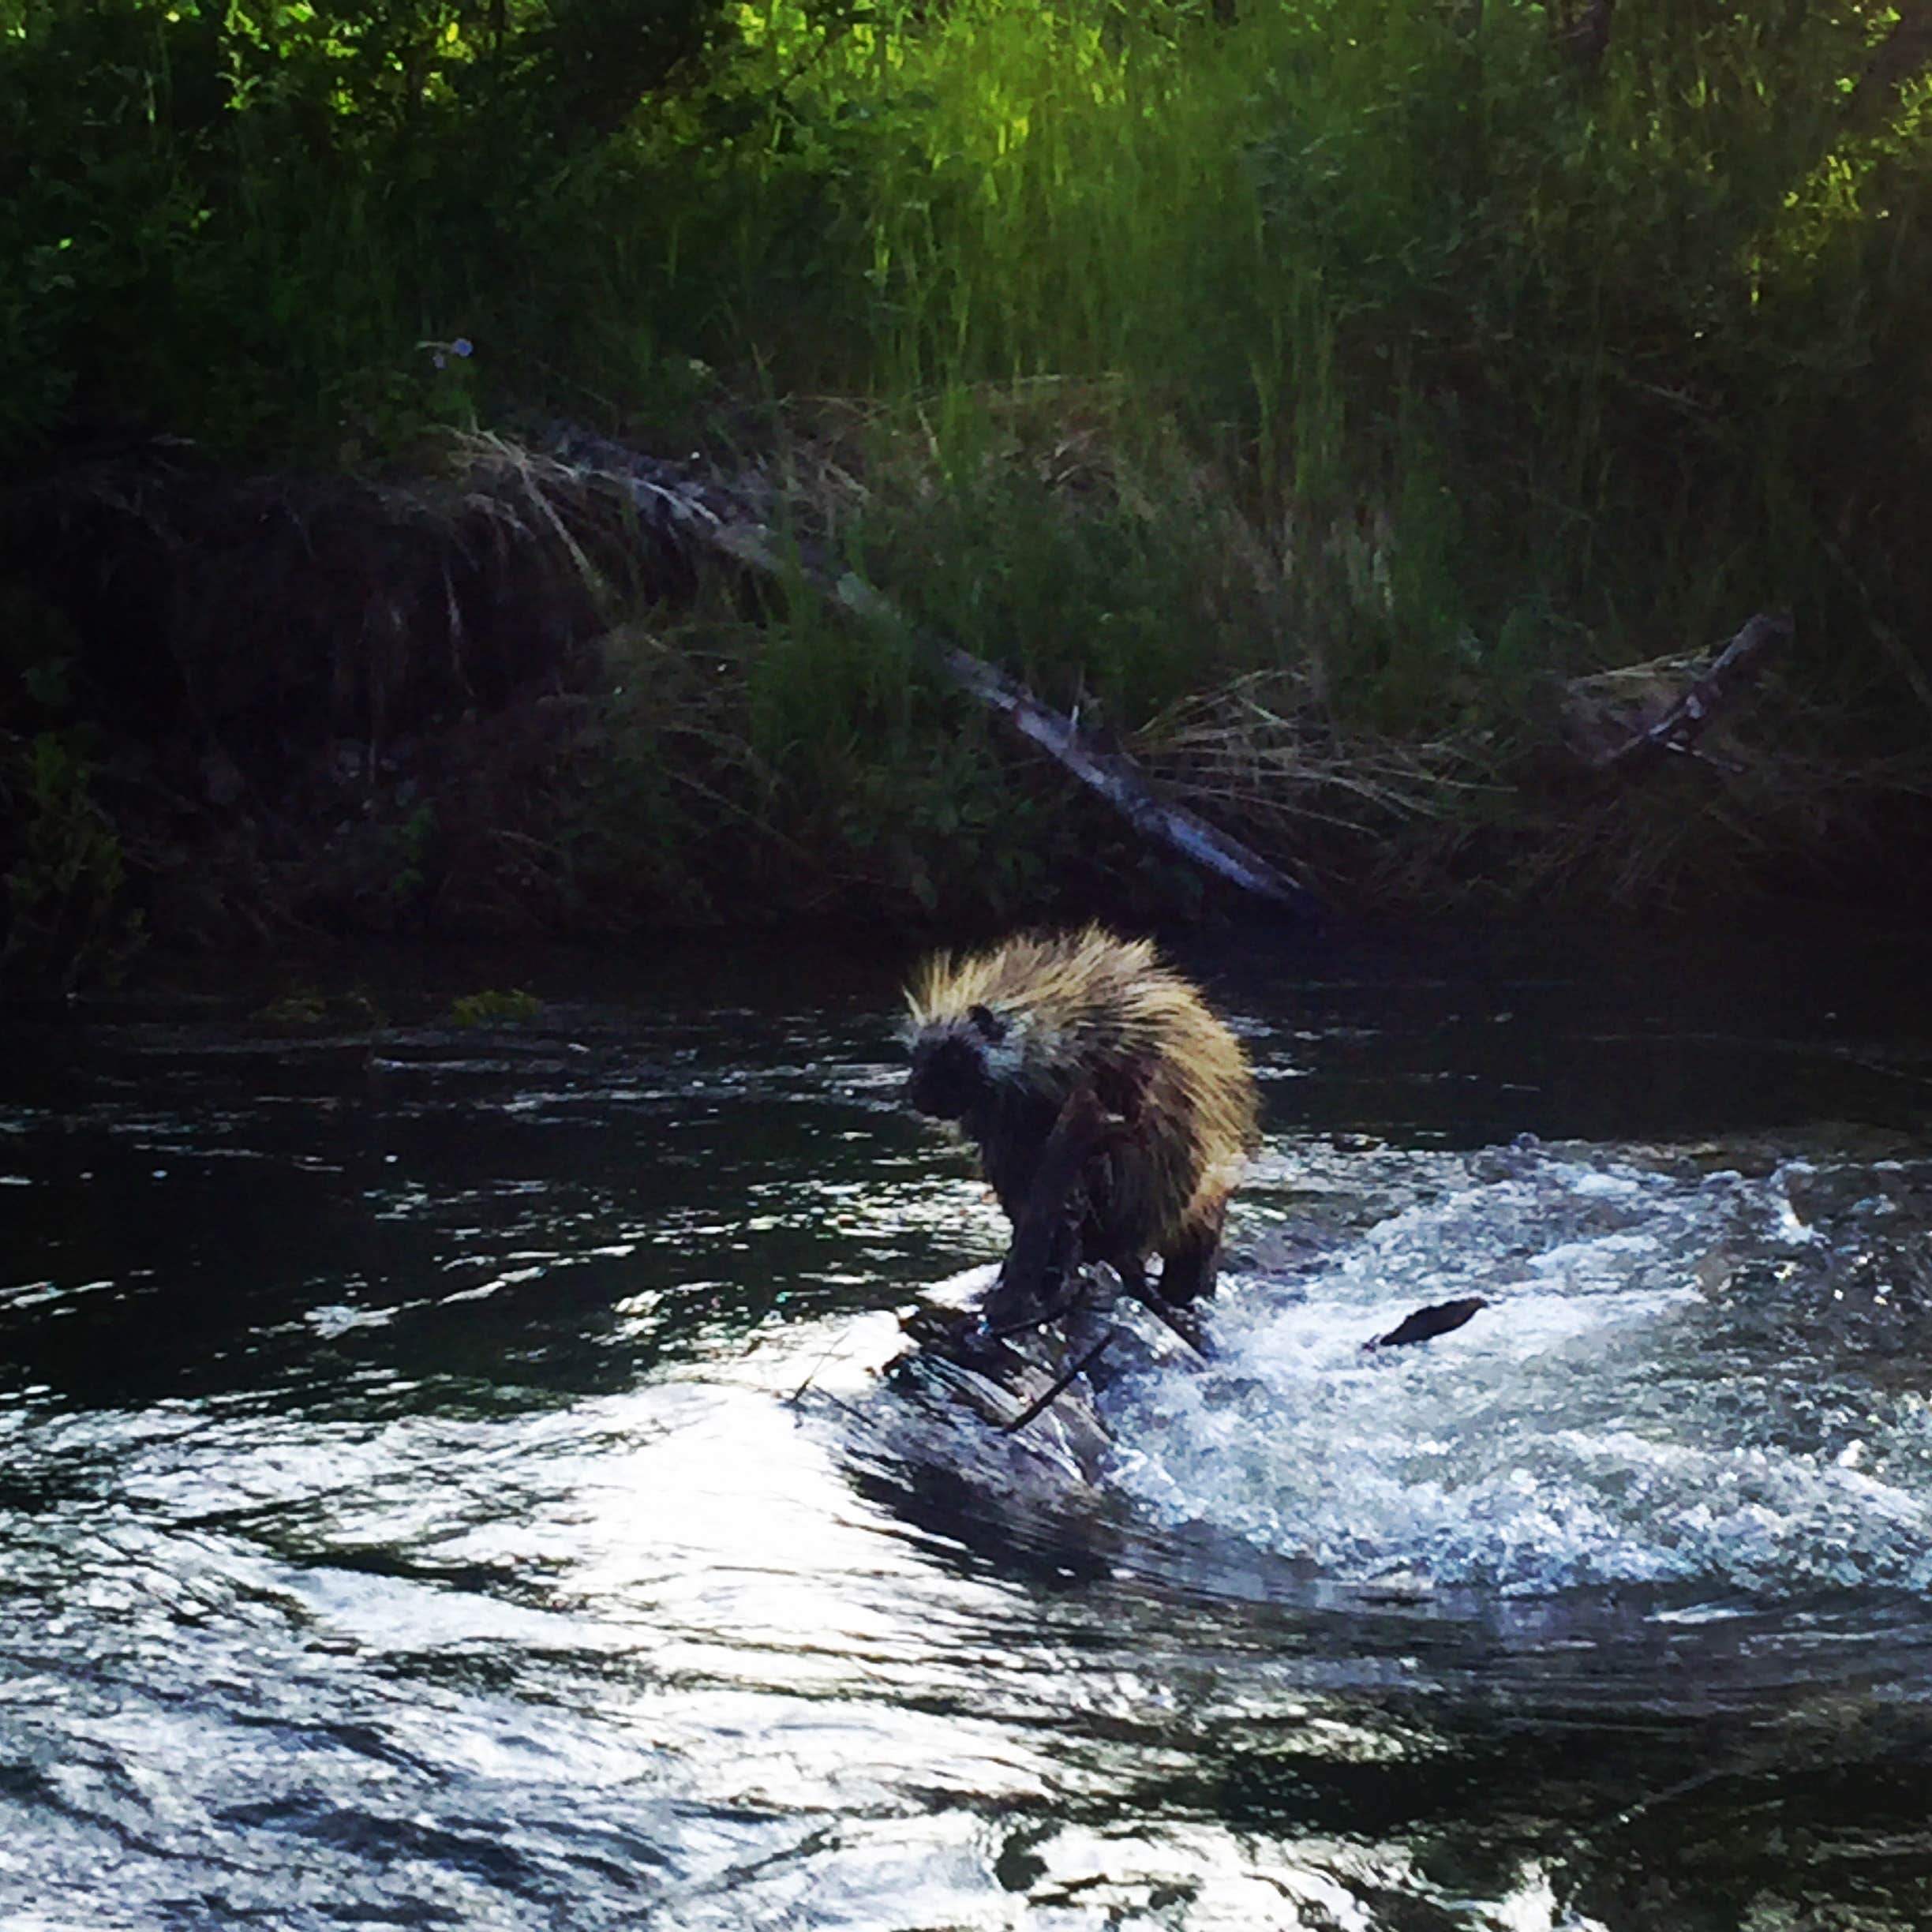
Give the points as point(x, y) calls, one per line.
point(524, 689)
point(1506, 809)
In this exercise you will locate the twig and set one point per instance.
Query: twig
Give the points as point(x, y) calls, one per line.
point(1041, 1403)
point(1678, 729)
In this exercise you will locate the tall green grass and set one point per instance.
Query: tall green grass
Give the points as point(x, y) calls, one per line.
point(1644, 349)
point(1363, 252)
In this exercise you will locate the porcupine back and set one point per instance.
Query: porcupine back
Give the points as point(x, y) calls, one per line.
point(1087, 1004)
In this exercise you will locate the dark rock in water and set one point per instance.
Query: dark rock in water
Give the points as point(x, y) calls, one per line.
point(1440, 1318)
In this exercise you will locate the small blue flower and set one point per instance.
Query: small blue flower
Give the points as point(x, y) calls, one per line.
point(441, 360)
point(462, 346)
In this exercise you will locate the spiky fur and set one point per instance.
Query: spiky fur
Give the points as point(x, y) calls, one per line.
point(1037, 1015)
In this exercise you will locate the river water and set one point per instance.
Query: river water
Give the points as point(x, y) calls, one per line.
point(410, 1514)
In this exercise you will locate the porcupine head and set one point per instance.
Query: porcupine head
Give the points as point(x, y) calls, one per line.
point(958, 1064)
point(984, 1033)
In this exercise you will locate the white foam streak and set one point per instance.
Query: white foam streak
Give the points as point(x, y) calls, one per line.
point(1602, 1423)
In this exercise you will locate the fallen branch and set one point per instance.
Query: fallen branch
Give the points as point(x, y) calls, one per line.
point(676, 503)
point(1115, 778)
point(1679, 728)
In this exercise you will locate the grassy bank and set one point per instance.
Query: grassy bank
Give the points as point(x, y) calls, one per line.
point(1317, 396)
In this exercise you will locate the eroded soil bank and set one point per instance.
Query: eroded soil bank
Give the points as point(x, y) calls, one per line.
point(511, 692)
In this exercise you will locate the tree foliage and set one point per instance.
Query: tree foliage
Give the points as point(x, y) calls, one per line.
point(188, 186)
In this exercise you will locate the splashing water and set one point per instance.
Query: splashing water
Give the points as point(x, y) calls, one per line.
point(1610, 1419)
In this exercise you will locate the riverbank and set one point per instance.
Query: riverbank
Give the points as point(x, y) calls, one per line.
point(485, 697)
point(1362, 418)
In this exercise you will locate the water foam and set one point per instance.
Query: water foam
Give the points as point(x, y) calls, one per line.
point(1620, 1415)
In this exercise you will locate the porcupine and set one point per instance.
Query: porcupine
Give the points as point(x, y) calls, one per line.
point(1002, 1039)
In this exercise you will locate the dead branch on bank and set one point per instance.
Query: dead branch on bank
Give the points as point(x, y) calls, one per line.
point(1676, 729)
point(675, 503)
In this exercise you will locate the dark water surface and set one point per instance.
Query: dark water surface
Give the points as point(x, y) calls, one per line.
point(403, 1521)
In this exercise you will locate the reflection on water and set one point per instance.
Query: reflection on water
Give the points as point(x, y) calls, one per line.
point(406, 1517)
